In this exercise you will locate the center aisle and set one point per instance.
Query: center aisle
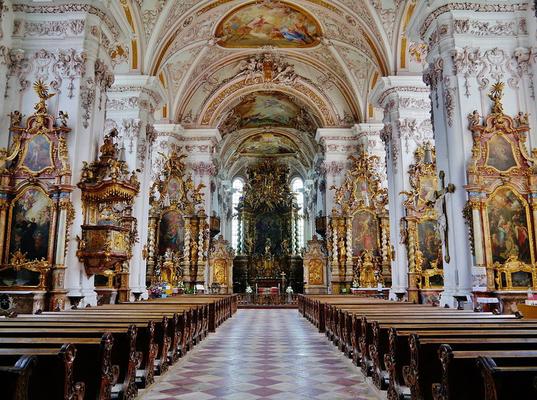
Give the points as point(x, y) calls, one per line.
point(263, 354)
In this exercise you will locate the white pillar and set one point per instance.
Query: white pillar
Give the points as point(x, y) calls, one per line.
point(406, 104)
point(471, 46)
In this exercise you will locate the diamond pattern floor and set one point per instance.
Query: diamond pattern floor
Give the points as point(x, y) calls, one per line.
point(263, 354)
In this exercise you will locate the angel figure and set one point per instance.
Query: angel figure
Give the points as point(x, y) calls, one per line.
point(42, 91)
point(63, 117)
point(474, 118)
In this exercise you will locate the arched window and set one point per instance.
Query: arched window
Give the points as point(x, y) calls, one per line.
point(297, 187)
point(238, 187)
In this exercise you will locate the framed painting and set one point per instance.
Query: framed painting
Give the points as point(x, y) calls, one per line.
point(365, 233)
point(38, 154)
point(31, 215)
point(275, 23)
point(429, 243)
point(500, 154)
point(361, 191)
point(509, 229)
point(171, 233)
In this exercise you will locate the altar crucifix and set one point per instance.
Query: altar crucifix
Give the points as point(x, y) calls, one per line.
point(441, 211)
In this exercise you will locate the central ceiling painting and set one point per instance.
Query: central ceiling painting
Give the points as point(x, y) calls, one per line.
point(268, 24)
point(267, 145)
point(267, 109)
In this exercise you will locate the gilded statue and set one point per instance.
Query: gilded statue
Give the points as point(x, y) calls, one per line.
point(167, 270)
point(367, 271)
point(496, 96)
point(42, 91)
point(220, 272)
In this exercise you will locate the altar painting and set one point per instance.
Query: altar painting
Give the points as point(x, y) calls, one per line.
point(275, 24)
point(30, 224)
point(430, 243)
point(500, 154)
point(508, 227)
point(38, 155)
point(171, 232)
point(364, 233)
point(269, 228)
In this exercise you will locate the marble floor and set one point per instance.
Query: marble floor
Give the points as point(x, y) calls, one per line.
point(263, 354)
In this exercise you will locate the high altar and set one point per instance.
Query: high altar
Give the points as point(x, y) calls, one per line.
point(268, 253)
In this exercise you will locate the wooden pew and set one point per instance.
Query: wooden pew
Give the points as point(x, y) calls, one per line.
point(44, 373)
point(507, 382)
point(461, 366)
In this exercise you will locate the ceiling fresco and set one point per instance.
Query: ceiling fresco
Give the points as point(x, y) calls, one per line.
point(267, 145)
point(267, 109)
point(257, 68)
point(275, 24)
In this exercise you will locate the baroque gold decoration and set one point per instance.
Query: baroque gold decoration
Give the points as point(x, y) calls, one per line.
point(359, 223)
point(221, 266)
point(109, 230)
point(315, 266)
point(420, 225)
point(35, 187)
point(178, 229)
point(502, 190)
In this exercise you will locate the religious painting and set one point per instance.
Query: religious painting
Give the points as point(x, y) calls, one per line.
point(361, 192)
point(521, 279)
point(171, 233)
point(500, 154)
point(38, 155)
point(364, 233)
point(269, 233)
point(176, 189)
point(268, 108)
point(509, 228)
point(267, 144)
point(274, 23)
point(30, 224)
point(428, 185)
point(430, 244)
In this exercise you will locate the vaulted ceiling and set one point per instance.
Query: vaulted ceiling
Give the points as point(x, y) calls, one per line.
point(268, 71)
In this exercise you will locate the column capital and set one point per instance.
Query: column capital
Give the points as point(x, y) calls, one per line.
point(395, 93)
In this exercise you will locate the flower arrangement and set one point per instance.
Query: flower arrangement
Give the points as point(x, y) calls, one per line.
point(249, 290)
point(155, 292)
point(289, 290)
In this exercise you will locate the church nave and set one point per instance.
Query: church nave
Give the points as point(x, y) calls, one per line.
point(263, 354)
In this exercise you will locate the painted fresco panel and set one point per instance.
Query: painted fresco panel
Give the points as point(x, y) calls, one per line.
point(171, 232)
point(268, 24)
point(509, 229)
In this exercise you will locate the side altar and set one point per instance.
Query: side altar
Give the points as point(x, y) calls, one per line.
point(268, 250)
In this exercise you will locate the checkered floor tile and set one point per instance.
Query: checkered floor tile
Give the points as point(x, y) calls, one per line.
point(263, 354)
